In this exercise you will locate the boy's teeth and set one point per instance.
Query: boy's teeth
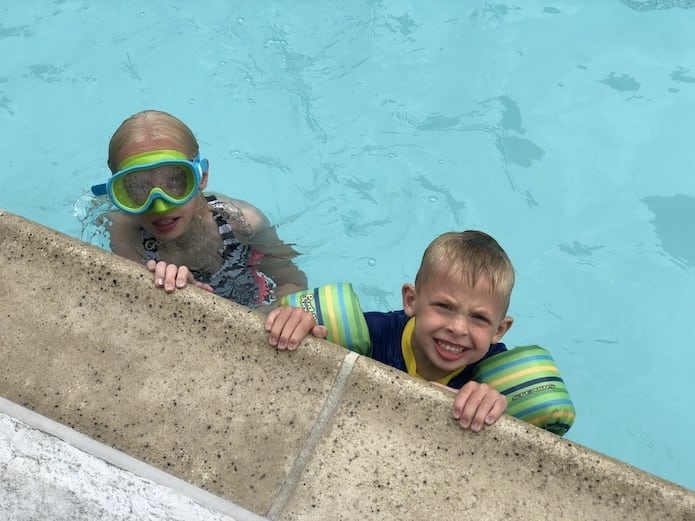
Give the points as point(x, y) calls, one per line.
point(450, 348)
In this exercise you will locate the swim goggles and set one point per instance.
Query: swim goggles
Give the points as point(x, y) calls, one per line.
point(155, 181)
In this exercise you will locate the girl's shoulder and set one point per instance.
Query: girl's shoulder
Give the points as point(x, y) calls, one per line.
point(243, 213)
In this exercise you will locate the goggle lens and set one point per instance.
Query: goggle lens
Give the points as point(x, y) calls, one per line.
point(134, 188)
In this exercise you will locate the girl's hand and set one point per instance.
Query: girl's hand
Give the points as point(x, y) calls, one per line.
point(288, 326)
point(172, 277)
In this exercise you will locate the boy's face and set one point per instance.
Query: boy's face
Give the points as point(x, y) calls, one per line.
point(455, 324)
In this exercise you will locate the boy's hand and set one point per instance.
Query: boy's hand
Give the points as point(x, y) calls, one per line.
point(172, 277)
point(477, 405)
point(288, 326)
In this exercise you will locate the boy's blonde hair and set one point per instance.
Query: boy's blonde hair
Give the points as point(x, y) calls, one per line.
point(472, 254)
point(153, 124)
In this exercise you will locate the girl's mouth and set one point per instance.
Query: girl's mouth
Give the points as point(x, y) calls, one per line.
point(165, 224)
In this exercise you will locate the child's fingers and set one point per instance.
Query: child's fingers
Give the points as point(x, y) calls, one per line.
point(278, 320)
point(477, 405)
point(170, 277)
point(274, 323)
point(183, 277)
point(497, 410)
point(288, 327)
point(159, 269)
point(485, 413)
point(299, 324)
point(305, 326)
point(463, 408)
point(270, 318)
point(319, 331)
point(203, 285)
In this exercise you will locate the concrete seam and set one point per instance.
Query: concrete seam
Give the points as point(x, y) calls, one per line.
point(325, 414)
point(124, 461)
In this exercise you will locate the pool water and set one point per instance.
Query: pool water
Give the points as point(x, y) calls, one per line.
point(364, 129)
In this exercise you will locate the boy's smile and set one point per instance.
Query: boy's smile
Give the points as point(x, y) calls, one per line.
point(449, 351)
point(455, 323)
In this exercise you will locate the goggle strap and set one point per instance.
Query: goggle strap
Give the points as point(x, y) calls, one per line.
point(99, 189)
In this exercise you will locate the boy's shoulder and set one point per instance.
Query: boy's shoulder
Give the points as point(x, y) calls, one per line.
point(380, 320)
point(385, 333)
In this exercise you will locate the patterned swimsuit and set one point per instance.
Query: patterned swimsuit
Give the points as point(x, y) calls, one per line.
point(237, 279)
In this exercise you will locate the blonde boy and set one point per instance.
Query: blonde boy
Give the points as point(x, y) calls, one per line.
point(453, 317)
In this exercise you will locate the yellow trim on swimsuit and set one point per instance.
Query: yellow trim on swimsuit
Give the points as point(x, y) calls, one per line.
point(409, 356)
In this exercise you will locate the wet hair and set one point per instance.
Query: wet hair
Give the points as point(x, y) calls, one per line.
point(152, 124)
point(472, 254)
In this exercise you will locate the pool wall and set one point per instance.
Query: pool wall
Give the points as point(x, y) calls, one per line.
point(187, 383)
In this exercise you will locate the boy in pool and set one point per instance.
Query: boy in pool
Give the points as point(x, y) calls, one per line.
point(453, 317)
point(164, 219)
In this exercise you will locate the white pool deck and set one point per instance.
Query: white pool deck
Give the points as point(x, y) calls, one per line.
point(122, 402)
point(49, 471)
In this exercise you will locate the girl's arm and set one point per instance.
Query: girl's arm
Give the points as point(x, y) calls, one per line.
point(252, 227)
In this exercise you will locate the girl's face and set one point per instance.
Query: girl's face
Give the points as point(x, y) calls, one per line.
point(455, 322)
point(174, 223)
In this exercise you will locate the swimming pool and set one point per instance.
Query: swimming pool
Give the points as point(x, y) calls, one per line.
point(364, 129)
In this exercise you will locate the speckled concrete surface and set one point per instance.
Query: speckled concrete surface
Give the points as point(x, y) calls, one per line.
point(187, 383)
point(45, 477)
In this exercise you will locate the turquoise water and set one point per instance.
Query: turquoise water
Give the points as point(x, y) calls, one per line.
point(364, 129)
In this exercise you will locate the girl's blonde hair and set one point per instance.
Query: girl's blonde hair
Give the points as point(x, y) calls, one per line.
point(153, 124)
point(472, 254)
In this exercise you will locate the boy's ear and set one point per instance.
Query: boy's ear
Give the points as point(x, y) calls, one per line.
point(409, 296)
point(504, 326)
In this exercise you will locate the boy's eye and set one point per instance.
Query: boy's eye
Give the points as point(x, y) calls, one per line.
point(482, 319)
point(444, 306)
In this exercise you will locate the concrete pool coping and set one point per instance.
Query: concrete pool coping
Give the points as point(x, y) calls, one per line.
point(187, 383)
point(51, 471)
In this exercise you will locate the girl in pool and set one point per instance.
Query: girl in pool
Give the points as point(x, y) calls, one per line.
point(184, 236)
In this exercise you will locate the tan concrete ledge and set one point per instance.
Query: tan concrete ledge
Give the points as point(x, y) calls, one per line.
point(187, 383)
